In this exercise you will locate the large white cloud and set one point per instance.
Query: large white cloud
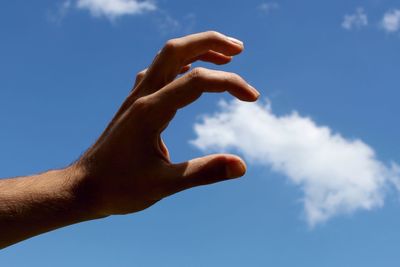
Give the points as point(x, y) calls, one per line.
point(357, 20)
point(391, 21)
point(116, 8)
point(337, 175)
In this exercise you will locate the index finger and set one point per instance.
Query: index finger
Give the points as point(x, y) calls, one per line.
point(190, 87)
point(181, 51)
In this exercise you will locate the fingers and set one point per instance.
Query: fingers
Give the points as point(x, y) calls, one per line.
point(186, 89)
point(159, 108)
point(181, 51)
point(212, 57)
point(206, 170)
point(189, 87)
point(139, 78)
point(131, 99)
point(140, 75)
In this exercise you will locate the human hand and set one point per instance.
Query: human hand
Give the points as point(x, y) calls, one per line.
point(128, 169)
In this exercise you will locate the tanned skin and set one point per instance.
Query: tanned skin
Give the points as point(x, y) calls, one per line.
point(128, 169)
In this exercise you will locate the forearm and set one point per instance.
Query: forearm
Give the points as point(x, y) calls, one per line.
point(37, 204)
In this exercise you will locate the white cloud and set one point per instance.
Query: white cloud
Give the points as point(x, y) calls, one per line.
point(268, 6)
point(116, 8)
point(357, 20)
point(391, 21)
point(337, 175)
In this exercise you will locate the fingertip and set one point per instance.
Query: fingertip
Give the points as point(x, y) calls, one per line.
point(255, 93)
point(237, 43)
point(234, 49)
point(224, 60)
point(216, 58)
point(256, 97)
point(248, 96)
point(235, 167)
point(238, 50)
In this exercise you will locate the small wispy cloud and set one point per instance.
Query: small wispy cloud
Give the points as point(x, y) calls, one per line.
point(58, 14)
point(337, 175)
point(113, 9)
point(391, 21)
point(356, 20)
point(171, 25)
point(267, 7)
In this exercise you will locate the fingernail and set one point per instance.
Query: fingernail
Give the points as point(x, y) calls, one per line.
point(254, 91)
point(235, 169)
point(236, 41)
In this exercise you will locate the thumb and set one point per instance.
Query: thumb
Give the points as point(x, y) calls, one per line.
point(208, 170)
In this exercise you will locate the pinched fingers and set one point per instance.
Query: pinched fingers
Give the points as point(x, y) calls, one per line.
point(189, 87)
point(140, 75)
point(212, 57)
point(208, 46)
point(163, 104)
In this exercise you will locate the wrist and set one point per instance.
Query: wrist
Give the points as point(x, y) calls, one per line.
point(81, 189)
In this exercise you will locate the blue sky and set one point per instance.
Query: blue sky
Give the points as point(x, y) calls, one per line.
point(67, 66)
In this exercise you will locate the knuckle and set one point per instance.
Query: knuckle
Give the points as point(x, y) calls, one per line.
point(214, 34)
point(233, 78)
point(141, 74)
point(142, 105)
point(170, 46)
point(198, 74)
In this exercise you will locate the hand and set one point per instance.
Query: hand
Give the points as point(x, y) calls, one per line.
point(129, 169)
